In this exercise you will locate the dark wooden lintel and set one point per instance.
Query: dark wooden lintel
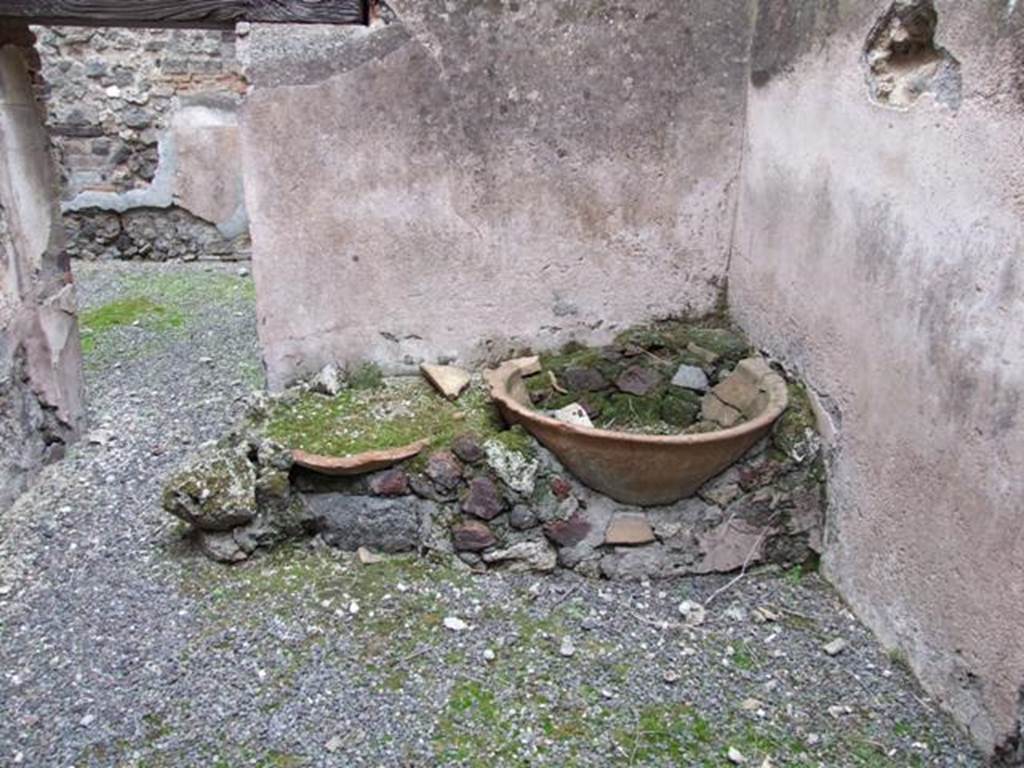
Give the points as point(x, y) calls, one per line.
point(208, 14)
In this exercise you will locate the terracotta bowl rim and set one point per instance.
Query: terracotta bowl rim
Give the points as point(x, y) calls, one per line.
point(499, 378)
point(308, 460)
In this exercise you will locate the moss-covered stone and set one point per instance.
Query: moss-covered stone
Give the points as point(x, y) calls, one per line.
point(680, 409)
point(512, 456)
point(728, 344)
point(216, 491)
point(517, 440)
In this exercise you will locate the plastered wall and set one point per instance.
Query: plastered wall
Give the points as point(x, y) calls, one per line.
point(881, 251)
point(40, 354)
point(468, 178)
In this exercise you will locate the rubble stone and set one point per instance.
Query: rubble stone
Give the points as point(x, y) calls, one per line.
point(216, 491)
point(472, 536)
point(484, 500)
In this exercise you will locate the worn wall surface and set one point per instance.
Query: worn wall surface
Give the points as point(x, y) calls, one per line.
point(477, 176)
point(40, 354)
point(880, 250)
point(144, 130)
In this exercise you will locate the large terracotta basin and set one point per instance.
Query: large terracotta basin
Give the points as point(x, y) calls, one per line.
point(646, 470)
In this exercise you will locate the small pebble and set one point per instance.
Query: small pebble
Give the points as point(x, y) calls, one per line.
point(736, 757)
point(736, 613)
point(693, 613)
point(835, 647)
point(455, 624)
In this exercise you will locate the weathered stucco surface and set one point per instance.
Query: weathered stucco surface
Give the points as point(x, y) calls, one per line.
point(880, 251)
point(40, 355)
point(199, 170)
point(512, 173)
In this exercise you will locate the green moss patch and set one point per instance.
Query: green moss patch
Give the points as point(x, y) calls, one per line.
point(366, 376)
point(398, 412)
point(191, 287)
point(96, 323)
point(517, 440)
point(158, 303)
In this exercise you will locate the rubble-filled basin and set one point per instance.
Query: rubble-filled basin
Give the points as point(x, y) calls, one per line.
point(643, 469)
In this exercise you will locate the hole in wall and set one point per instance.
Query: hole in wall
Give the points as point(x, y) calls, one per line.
point(904, 62)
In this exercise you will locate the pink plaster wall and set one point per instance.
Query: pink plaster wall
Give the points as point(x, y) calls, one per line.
point(880, 251)
point(41, 404)
point(456, 185)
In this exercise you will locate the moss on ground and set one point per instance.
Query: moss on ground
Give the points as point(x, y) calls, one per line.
point(292, 580)
point(517, 709)
point(191, 287)
point(366, 376)
point(165, 303)
point(486, 720)
point(96, 324)
point(401, 411)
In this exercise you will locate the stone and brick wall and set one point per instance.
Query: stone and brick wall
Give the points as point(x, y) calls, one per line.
point(119, 103)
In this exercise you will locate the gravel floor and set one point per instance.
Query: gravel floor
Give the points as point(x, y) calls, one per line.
point(120, 646)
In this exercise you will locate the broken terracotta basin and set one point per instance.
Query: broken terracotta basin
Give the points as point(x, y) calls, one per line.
point(646, 470)
point(358, 463)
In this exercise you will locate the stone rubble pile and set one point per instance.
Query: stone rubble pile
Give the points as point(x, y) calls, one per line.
point(505, 502)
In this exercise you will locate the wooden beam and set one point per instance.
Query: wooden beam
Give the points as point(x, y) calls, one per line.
point(209, 14)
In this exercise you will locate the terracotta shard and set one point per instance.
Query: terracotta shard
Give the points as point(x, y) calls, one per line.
point(359, 463)
point(629, 529)
point(528, 366)
point(446, 379)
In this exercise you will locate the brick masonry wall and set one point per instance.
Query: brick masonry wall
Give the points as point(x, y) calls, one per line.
point(112, 96)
